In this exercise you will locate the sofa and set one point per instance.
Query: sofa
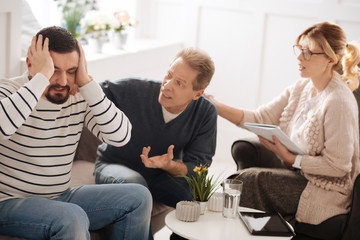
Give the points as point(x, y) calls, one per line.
point(82, 174)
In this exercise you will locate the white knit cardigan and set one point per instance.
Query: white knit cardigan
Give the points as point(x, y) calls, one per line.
point(331, 136)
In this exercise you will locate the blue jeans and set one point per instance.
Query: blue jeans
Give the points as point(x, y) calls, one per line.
point(164, 187)
point(78, 210)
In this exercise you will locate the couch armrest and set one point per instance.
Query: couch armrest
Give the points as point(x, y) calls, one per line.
point(251, 153)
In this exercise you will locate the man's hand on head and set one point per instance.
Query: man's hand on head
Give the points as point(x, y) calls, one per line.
point(39, 59)
point(82, 76)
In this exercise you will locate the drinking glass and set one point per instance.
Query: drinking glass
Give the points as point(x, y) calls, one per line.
point(231, 191)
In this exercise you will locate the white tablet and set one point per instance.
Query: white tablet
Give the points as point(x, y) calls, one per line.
point(267, 131)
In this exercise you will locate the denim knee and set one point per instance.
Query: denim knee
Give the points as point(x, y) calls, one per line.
point(147, 199)
point(142, 199)
point(71, 223)
point(107, 178)
point(136, 179)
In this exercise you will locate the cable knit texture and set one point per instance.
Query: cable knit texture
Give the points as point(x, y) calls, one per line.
point(330, 137)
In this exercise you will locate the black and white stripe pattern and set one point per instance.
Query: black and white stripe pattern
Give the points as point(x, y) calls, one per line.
point(38, 139)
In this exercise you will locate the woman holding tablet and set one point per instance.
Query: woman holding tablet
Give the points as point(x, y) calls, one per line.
point(320, 114)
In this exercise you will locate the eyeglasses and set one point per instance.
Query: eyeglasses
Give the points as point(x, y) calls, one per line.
point(306, 53)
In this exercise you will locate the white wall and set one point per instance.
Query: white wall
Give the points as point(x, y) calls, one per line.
point(250, 42)
point(10, 37)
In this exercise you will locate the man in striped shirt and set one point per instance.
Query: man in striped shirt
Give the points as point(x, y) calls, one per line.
point(41, 117)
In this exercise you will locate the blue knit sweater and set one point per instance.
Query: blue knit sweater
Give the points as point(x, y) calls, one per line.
point(193, 132)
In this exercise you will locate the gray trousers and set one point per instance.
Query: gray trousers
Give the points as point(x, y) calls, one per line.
point(268, 188)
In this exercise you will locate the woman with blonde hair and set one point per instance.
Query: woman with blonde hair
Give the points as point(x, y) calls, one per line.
point(320, 114)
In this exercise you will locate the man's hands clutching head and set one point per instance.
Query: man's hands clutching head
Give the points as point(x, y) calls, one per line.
point(39, 59)
point(82, 76)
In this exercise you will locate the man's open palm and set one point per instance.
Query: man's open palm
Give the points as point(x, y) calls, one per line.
point(160, 161)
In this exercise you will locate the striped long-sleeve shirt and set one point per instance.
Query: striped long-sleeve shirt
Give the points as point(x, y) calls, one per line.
point(38, 139)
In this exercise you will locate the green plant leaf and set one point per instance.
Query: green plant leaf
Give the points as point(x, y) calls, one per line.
point(201, 185)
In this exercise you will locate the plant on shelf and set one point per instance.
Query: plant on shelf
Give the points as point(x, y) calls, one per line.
point(73, 11)
point(201, 185)
point(123, 21)
point(96, 24)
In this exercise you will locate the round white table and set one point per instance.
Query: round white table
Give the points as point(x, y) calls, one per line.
point(213, 226)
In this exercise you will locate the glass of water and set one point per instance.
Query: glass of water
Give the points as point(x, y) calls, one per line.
point(231, 190)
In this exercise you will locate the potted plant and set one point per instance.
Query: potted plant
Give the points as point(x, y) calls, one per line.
point(202, 186)
point(122, 21)
point(96, 26)
point(73, 11)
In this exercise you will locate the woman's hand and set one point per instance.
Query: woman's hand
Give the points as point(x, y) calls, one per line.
point(210, 97)
point(232, 114)
point(280, 150)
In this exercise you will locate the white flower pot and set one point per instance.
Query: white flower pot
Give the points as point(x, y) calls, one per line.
point(215, 203)
point(203, 206)
point(187, 211)
point(96, 45)
point(119, 39)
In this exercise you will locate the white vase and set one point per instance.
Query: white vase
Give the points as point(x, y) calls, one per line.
point(187, 211)
point(119, 39)
point(96, 45)
point(216, 202)
point(203, 206)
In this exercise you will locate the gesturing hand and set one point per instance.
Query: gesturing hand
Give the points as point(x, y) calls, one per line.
point(161, 161)
point(38, 57)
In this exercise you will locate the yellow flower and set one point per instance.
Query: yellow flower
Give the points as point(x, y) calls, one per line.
point(201, 185)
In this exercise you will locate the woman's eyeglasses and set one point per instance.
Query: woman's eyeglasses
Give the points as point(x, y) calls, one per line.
point(304, 51)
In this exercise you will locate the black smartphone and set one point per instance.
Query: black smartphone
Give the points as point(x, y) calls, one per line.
point(266, 224)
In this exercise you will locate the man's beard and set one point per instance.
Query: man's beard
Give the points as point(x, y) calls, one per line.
point(58, 98)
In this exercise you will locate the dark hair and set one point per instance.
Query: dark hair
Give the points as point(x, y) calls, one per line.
point(60, 39)
point(199, 61)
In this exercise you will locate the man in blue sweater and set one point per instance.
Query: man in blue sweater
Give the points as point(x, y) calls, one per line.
point(174, 129)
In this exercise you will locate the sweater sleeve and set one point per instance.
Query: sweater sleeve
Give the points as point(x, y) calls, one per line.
point(18, 97)
point(269, 113)
point(103, 118)
point(202, 148)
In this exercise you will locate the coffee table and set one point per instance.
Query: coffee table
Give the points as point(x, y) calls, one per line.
point(212, 225)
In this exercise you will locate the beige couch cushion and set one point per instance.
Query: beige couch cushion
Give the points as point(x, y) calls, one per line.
point(82, 173)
